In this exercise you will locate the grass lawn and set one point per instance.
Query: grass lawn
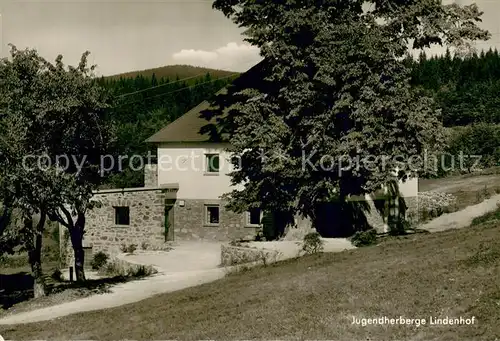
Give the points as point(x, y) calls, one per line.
point(454, 273)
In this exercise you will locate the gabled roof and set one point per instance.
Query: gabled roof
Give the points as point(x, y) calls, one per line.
point(187, 127)
point(184, 129)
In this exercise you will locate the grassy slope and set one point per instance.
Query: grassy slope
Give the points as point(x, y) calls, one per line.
point(454, 273)
point(172, 71)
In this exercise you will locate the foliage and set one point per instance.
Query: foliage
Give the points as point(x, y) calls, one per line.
point(99, 260)
point(57, 275)
point(131, 248)
point(364, 238)
point(480, 140)
point(118, 268)
point(312, 243)
point(333, 84)
point(433, 204)
point(51, 111)
point(465, 88)
point(146, 102)
point(128, 248)
point(166, 74)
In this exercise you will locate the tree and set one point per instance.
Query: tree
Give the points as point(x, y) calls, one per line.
point(333, 85)
point(52, 113)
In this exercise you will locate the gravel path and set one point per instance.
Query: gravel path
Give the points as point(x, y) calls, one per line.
point(187, 265)
point(462, 218)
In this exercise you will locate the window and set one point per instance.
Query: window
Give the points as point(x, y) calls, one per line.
point(254, 216)
point(212, 214)
point(122, 216)
point(212, 163)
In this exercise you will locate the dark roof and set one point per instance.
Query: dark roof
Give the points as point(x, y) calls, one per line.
point(187, 127)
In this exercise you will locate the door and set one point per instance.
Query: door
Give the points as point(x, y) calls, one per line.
point(169, 222)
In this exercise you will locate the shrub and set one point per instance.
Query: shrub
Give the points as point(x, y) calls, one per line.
point(434, 204)
point(128, 248)
point(364, 238)
point(476, 139)
point(131, 248)
point(57, 275)
point(120, 269)
point(312, 243)
point(259, 236)
point(99, 260)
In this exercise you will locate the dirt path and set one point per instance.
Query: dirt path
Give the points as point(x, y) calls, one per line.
point(462, 218)
point(189, 264)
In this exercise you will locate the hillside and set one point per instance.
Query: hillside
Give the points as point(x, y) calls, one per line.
point(449, 274)
point(174, 71)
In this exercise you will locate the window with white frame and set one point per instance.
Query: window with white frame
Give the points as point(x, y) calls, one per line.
point(212, 163)
point(254, 217)
point(212, 214)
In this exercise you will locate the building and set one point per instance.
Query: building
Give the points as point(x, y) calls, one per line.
point(181, 199)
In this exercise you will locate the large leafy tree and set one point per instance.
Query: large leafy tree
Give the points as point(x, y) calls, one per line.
point(53, 135)
point(334, 85)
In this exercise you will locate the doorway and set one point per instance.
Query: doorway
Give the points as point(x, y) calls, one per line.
point(169, 222)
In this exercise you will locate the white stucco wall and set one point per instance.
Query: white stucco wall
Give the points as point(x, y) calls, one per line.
point(185, 164)
point(409, 188)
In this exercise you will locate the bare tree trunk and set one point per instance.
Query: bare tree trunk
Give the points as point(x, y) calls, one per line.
point(77, 241)
point(35, 255)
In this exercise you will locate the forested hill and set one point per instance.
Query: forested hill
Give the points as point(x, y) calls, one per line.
point(146, 101)
point(467, 90)
point(173, 72)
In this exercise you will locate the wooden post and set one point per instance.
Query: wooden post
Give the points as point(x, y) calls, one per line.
point(71, 274)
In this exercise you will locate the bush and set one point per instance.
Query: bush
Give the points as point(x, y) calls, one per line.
point(131, 248)
point(312, 243)
point(364, 238)
point(99, 260)
point(476, 139)
point(128, 248)
point(434, 204)
point(57, 275)
point(120, 269)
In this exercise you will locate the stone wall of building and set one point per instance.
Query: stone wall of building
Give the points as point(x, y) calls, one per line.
point(150, 175)
point(190, 222)
point(146, 220)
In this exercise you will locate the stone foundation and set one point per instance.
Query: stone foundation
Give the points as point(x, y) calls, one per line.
point(190, 222)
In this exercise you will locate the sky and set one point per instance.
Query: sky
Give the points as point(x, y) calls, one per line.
point(135, 35)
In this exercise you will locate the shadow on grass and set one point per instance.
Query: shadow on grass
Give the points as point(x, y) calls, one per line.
point(18, 288)
point(15, 288)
